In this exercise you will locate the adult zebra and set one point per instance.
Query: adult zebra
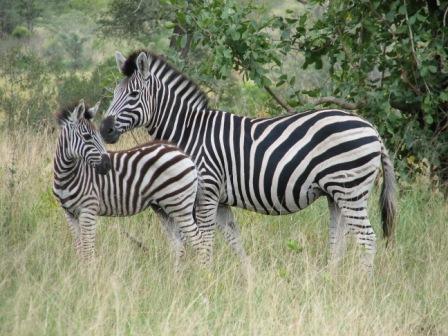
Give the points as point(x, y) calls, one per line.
point(90, 182)
point(274, 165)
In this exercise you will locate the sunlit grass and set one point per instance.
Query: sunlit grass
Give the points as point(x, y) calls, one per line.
point(45, 290)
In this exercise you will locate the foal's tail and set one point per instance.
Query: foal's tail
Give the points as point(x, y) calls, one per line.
point(388, 198)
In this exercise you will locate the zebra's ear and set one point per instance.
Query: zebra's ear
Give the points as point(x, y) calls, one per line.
point(120, 59)
point(79, 111)
point(142, 63)
point(91, 112)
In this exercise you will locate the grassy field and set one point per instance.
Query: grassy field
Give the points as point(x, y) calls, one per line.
point(44, 289)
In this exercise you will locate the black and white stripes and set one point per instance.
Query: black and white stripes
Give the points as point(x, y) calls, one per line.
point(90, 182)
point(270, 165)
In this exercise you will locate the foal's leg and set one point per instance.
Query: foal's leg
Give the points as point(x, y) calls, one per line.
point(175, 238)
point(87, 226)
point(75, 230)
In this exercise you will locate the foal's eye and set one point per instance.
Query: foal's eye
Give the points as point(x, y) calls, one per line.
point(87, 137)
point(134, 94)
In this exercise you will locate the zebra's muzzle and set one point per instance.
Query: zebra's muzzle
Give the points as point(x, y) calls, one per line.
point(104, 166)
point(108, 131)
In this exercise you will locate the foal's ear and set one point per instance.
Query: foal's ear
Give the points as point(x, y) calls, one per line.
point(142, 63)
point(91, 112)
point(120, 59)
point(79, 111)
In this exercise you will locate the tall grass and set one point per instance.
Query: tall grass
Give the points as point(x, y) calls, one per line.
point(45, 290)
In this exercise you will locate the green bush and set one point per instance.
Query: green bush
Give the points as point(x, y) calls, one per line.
point(21, 32)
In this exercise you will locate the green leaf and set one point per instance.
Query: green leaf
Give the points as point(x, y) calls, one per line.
point(429, 119)
point(443, 96)
point(280, 83)
point(183, 41)
point(294, 246)
point(235, 35)
point(292, 81)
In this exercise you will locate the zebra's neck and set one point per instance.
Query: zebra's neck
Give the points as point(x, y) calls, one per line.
point(177, 121)
point(176, 101)
point(67, 169)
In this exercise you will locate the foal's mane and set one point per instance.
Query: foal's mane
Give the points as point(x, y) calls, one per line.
point(64, 113)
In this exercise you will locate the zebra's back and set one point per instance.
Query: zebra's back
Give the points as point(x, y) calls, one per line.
point(280, 165)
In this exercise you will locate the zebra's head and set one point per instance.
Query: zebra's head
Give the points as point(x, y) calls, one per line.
point(134, 96)
point(80, 138)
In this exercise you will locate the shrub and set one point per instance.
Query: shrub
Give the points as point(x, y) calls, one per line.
point(21, 32)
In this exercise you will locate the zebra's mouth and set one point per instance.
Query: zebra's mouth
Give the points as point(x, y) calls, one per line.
point(108, 130)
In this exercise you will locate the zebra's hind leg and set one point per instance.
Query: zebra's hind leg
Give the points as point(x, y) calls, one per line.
point(175, 238)
point(356, 217)
point(337, 234)
point(75, 230)
point(227, 225)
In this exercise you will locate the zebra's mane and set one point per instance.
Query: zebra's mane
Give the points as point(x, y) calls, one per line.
point(64, 114)
point(130, 66)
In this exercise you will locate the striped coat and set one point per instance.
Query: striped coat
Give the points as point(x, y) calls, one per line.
point(274, 165)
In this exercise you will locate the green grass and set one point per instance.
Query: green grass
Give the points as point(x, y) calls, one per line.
point(46, 290)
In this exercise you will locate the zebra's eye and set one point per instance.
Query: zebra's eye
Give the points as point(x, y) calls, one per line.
point(87, 137)
point(134, 94)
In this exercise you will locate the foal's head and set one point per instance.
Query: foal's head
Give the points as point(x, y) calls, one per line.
point(81, 140)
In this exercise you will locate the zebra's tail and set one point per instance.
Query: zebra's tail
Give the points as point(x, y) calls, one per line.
point(388, 197)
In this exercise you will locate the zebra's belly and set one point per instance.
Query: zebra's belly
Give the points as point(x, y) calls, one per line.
point(274, 203)
point(123, 208)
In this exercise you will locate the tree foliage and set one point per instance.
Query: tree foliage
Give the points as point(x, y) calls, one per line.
point(136, 19)
point(26, 97)
point(390, 58)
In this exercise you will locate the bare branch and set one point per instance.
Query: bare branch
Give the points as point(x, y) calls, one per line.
point(337, 101)
point(318, 101)
point(279, 100)
point(411, 37)
point(444, 16)
point(138, 7)
point(135, 240)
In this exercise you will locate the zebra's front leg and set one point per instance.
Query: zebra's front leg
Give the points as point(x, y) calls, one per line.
point(229, 228)
point(73, 224)
point(175, 238)
point(337, 234)
point(87, 224)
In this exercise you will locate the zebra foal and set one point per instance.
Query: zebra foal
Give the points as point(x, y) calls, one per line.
point(90, 182)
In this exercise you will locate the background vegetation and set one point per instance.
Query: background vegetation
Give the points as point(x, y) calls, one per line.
point(386, 61)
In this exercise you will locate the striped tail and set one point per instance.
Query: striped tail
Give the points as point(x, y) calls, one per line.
point(388, 198)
